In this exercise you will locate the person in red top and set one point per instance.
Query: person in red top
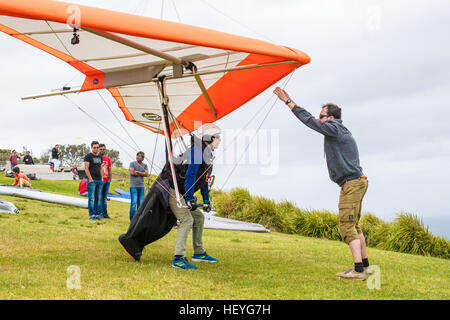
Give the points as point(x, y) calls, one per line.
point(82, 188)
point(20, 179)
point(106, 178)
point(13, 159)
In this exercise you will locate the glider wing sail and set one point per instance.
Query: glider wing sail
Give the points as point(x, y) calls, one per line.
point(208, 73)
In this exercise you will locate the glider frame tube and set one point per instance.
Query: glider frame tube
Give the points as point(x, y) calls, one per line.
point(164, 105)
point(170, 77)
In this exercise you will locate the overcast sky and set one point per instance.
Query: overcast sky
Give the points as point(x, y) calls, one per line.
point(386, 63)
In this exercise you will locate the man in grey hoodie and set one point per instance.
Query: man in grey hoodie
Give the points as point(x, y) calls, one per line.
point(344, 169)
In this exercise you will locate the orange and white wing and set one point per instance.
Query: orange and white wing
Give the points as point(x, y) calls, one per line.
point(125, 54)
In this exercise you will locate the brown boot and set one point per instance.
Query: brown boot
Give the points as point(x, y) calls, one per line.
point(351, 274)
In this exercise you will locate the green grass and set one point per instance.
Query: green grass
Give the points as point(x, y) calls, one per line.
point(407, 234)
point(38, 245)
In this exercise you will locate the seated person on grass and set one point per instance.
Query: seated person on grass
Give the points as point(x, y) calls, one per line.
point(20, 179)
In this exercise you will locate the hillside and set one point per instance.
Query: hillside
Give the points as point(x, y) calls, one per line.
point(38, 246)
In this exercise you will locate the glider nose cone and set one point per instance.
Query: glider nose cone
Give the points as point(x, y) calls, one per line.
point(300, 56)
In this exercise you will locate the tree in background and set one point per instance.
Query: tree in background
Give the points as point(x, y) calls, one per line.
point(114, 156)
point(73, 154)
point(45, 157)
point(4, 156)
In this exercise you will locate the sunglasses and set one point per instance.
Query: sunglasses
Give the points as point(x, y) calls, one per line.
point(323, 116)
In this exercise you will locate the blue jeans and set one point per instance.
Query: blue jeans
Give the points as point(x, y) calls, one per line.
point(137, 196)
point(94, 195)
point(103, 197)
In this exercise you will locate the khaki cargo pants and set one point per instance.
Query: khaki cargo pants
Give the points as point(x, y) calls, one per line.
point(188, 220)
point(350, 203)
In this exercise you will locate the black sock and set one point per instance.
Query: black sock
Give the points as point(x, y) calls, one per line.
point(365, 262)
point(359, 267)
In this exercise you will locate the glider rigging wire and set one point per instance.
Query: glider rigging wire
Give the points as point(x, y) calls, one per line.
point(59, 39)
point(103, 128)
point(176, 10)
point(257, 130)
point(237, 21)
point(118, 120)
point(286, 81)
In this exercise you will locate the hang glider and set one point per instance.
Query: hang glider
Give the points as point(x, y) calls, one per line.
point(208, 73)
point(165, 76)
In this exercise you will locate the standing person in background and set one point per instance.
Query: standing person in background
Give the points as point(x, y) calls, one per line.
point(92, 166)
point(28, 159)
point(13, 159)
point(106, 179)
point(138, 170)
point(55, 158)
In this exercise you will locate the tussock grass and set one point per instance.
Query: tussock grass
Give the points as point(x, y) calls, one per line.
point(319, 224)
point(406, 234)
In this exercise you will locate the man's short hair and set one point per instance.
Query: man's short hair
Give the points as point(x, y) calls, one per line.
point(101, 145)
point(94, 142)
point(141, 153)
point(16, 169)
point(333, 110)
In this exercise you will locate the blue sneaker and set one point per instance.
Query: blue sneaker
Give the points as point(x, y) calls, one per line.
point(94, 218)
point(203, 257)
point(182, 263)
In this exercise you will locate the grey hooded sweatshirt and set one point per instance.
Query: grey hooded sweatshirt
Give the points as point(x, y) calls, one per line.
point(340, 147)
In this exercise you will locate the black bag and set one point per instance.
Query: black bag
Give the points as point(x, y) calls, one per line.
point(153, 220)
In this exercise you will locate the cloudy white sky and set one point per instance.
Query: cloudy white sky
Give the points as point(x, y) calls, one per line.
point(386, 63)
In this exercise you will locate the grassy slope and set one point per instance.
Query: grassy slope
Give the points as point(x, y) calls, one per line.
point(38, 245)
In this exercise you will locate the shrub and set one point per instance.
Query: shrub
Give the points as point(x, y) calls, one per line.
point(262, 211)
point(224, 205)
point(406, 234)
point(409, 235)
point(241, 198)
point(375, 230)
point(230, 204)
point(319, 224)
point(287, 212)
point(441, 248)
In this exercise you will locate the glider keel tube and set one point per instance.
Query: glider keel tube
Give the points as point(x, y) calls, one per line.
point(164, 112)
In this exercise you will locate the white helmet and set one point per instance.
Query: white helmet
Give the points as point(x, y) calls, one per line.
point(207, 131)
